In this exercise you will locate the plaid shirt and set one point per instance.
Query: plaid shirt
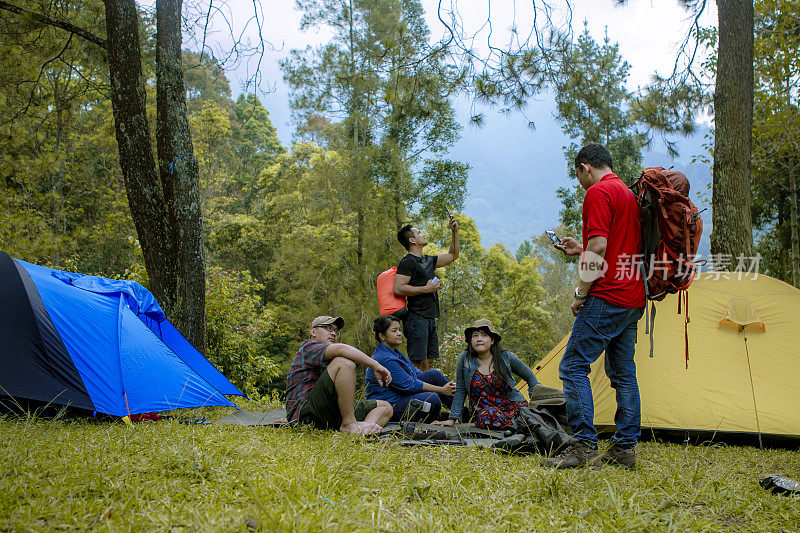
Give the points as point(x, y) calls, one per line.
point(306, 368)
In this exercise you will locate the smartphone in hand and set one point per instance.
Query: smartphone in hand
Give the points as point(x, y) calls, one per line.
point(553, 237)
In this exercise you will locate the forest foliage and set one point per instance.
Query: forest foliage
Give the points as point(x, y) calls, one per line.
point(292, 232)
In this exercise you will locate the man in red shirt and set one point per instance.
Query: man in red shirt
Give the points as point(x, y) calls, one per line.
point(607, 307)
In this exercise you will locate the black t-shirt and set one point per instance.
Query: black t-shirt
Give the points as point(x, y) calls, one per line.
point(421, 270)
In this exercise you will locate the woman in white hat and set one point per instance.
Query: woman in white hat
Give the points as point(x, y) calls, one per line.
point(485, 371)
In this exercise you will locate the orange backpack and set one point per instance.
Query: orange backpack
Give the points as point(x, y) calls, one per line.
point(388, 303)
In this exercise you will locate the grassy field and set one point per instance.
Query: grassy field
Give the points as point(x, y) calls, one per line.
point(167, 476)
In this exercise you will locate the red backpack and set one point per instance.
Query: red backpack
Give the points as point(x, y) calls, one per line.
point(671, 230)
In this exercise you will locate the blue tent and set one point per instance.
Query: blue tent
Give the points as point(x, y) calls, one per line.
point(98, 344)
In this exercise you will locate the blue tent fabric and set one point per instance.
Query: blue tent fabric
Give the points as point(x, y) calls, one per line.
point(128, 358)
point(178, 343)
point(34, 363)
point(174, 385)
point(139, 299)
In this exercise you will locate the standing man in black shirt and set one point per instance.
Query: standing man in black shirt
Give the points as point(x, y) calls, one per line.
point(415, 279)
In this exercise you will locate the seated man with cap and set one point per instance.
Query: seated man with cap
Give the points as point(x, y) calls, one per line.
point(320, 386)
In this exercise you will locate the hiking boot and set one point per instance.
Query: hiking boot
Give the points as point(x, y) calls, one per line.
point(618, 456)
point(575, 455)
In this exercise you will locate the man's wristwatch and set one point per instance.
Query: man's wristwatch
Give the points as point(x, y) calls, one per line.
point(579, 296)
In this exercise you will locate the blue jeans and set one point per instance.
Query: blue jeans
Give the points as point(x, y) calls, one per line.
point(434, 377)
point(601, 326)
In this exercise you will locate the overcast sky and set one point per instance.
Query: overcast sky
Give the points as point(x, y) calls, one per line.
point(507, 157)
point(648, 31)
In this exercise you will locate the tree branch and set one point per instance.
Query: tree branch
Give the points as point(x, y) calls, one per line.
point(38, 17)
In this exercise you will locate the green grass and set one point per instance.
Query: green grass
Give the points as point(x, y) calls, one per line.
point(77, 475)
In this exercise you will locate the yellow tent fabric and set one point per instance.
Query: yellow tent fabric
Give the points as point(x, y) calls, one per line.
point(747, 316)
point(741, 313)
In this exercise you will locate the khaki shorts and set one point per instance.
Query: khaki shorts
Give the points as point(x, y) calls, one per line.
point(322, 408)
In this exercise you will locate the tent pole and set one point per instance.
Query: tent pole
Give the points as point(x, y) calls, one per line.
point(752, 387)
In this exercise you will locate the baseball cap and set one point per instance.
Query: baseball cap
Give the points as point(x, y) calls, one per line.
point(325, 320)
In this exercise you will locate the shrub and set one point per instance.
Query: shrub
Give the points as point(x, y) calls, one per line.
point(244, 338)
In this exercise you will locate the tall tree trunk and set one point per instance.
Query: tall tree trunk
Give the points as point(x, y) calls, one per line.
point(732, 232)
point(358, 176)
point(793, 221)
point(166, 211)
point(135, 153)
point(179, 174)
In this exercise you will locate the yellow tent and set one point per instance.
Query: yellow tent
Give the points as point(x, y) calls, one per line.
point(744, 360)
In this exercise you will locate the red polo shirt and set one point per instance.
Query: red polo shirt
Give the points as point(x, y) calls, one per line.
point(610, 210)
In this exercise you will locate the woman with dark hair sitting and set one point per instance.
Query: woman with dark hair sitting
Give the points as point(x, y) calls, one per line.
point(414, 395)
point(485, 371)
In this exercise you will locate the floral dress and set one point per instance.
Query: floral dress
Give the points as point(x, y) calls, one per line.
point(489, 401)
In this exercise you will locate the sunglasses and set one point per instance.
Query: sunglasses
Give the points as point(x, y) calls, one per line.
point(329, 327)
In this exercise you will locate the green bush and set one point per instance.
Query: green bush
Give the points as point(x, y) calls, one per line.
point(244, 337)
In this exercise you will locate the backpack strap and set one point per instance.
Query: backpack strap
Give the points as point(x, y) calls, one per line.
point(650, 317)
point(646, 296)
point(686, 233)
point(652, 324)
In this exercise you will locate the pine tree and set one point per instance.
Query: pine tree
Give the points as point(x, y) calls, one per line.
point(594, 106)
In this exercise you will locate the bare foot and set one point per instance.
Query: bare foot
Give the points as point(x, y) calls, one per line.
point(360, 428)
